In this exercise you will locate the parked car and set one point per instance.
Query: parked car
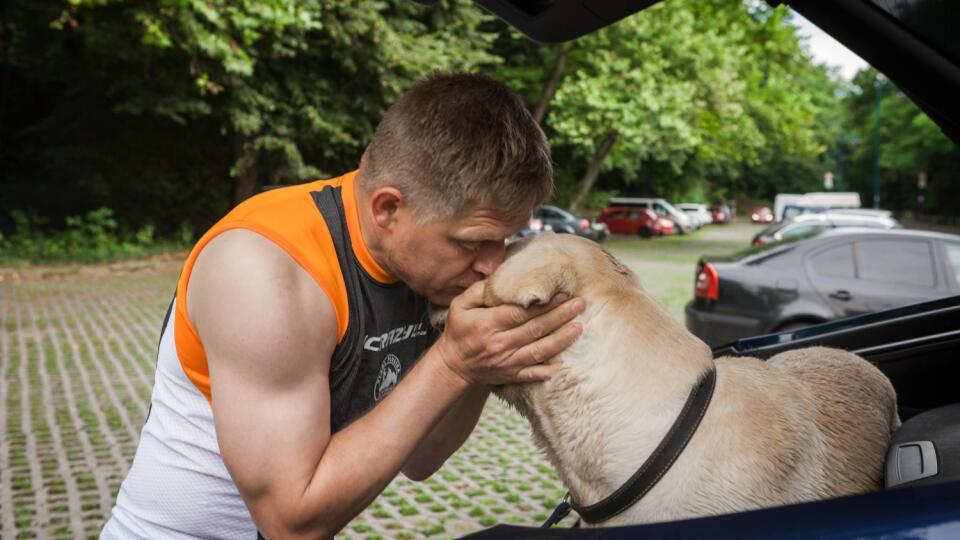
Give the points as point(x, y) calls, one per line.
point(565, 222)
point(793, 210)
point(721, 214)
point(761, 214)
point(533, 228)
point(839, 273)
point(697, 211)
point(914, 45)
point(632, 220)
point(807, 224)
point(660, 207)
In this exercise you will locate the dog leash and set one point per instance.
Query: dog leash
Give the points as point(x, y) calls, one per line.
point(654, 467)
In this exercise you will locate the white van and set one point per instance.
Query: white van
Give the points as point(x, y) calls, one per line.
point(817, 201)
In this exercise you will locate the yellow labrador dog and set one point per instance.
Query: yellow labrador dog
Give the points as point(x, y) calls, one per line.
point(803, 425)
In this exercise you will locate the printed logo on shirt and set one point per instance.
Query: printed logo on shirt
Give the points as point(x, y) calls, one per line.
point(388, 377)
point(381, 342)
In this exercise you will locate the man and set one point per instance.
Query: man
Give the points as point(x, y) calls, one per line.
point(286, 395)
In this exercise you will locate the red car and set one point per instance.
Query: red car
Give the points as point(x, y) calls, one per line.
point(721, 214)
point(761, 214)
point(634, 220)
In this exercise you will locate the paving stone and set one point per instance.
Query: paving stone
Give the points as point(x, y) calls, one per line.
point(77, 359)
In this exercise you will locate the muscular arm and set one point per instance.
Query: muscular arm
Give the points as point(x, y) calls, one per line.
point(449, 434)
point(269, 332)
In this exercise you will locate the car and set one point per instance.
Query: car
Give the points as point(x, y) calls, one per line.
point(805, 224)
point(533, 228)
point(839, 273)
point(698, 211)
point(721, 214)
point(661, 207)
point(563, 221)
point(914, 45)
point(632, 220)
point(761, 214)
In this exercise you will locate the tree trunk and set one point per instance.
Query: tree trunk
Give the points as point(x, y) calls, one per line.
point(552, 83)
point(593, 171)
point(245, 182)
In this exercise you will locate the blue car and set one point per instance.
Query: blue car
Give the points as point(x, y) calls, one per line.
point(917, 347)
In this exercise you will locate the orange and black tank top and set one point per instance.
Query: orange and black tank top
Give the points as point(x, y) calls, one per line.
point(383, 327)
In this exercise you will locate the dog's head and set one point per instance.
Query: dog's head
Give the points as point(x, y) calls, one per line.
point(538, 268)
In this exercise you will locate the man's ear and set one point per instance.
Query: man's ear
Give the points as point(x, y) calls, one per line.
point(385, 201)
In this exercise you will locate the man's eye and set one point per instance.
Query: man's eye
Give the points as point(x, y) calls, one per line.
point(470, 246)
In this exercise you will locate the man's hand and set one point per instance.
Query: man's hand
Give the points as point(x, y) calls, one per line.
point(506, 344)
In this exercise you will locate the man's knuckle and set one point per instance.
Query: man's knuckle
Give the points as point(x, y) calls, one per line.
point(494, 348)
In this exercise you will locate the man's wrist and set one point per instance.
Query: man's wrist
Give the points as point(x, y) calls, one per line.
point(439, 359)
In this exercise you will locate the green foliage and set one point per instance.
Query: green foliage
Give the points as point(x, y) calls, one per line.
point(93, 237)
point(169, 111)
point(909, 143)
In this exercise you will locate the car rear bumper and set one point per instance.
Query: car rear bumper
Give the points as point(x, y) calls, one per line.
point(719, 328)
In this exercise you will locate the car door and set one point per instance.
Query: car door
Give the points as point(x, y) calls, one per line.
point(951, 260)
point(555, 219)
point(895, 272)
point(617, 222)
point(636, 220)
point(833, 274)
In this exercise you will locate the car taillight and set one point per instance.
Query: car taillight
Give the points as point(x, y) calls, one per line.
point(584, 224)
point(536, 225)
point(708, 283)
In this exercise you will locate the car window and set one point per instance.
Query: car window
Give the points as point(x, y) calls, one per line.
point(953, 259)
point(659, 208)
point(896, 261)
point(549, 214)
point(616, 215)
point(801, 230)
point(634, 214)
point(834, 262)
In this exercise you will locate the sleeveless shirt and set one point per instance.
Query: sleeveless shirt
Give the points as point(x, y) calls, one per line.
point(178, 485)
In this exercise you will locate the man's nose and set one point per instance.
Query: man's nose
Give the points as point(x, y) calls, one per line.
point(489, 258)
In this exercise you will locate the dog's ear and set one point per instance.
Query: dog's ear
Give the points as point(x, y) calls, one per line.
point(530, 284)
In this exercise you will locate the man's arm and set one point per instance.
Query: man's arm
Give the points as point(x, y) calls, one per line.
point(448, 435)
point(269, 332)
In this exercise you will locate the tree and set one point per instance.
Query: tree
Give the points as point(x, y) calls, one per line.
point(296, 88)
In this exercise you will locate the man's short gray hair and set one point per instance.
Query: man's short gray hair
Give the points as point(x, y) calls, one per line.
point(453, 142)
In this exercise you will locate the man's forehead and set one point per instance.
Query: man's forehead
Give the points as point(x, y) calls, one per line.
point(490, 221)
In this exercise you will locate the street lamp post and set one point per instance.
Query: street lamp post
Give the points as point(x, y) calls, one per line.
point(878, 85)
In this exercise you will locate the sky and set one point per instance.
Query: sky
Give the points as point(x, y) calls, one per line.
point(826, 50)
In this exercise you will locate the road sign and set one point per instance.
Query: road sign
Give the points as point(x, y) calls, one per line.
point(828, 180)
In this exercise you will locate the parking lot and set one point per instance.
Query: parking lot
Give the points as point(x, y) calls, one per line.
point(77, 353)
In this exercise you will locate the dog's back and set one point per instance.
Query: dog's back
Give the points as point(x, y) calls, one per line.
point(856, 440)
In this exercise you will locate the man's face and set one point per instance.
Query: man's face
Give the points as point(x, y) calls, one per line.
point(441, 258)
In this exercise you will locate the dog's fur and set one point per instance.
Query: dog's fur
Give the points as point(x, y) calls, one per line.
point(804, 425)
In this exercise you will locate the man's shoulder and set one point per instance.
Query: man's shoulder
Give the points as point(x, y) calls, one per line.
point(242, 274)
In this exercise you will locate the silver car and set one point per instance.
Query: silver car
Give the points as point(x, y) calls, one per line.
point(810, 224)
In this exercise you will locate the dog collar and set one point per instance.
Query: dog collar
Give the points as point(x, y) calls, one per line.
point(655, 466)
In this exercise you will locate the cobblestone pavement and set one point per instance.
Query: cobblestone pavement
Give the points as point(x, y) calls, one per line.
point(77, 357)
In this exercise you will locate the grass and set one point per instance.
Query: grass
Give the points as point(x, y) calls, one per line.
point(665, 266)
